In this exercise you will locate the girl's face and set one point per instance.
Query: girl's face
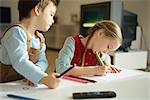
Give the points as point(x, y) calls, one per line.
point(45, 18)
point(104, 44)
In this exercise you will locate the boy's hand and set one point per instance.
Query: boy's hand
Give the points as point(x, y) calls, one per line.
point(28, 82)
point(50, 80)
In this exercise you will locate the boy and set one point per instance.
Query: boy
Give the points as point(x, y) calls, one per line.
point(23, 47)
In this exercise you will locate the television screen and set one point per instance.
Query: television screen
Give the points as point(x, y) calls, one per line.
point(5, 15)
point(91, 13)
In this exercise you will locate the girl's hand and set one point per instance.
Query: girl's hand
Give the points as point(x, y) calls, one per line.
point(100, 70)
point(50, 80)
point(114, 69)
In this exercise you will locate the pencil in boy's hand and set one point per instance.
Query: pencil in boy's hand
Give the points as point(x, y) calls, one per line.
point(65, 71)
point(99, 59)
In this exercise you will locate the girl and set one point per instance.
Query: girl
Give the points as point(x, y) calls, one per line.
point(23, 47)
point(104, 37)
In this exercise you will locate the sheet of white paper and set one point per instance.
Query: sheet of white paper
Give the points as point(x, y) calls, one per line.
point(116, 76)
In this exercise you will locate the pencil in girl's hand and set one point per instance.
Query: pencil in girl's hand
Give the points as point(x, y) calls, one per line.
point(98, 58)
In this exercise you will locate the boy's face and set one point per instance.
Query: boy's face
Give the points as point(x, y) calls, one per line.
point(105, 44)
point(45, 18)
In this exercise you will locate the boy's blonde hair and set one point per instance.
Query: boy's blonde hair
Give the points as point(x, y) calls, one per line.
point(44, 3)
point(111, 29)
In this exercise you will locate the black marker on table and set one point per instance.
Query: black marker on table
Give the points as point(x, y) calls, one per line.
point(94, 94)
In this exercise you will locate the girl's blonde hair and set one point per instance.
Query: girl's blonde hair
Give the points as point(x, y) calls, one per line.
point(111, 29)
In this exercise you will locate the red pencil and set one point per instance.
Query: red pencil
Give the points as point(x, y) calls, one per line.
point(89, 80)
point(75, 79)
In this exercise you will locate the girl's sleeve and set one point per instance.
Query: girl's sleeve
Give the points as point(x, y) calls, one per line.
point(15, 43)
point(65, 56)
point(42, 61)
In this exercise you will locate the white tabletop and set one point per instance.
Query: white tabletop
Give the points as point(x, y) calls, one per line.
point(128, 85)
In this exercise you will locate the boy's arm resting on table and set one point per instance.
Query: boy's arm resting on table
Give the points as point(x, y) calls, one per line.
point(42, 63)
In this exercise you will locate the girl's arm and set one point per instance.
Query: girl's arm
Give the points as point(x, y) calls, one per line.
point(64, 59)
point(95, 70)
point(87, 71)
point(63, 62)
